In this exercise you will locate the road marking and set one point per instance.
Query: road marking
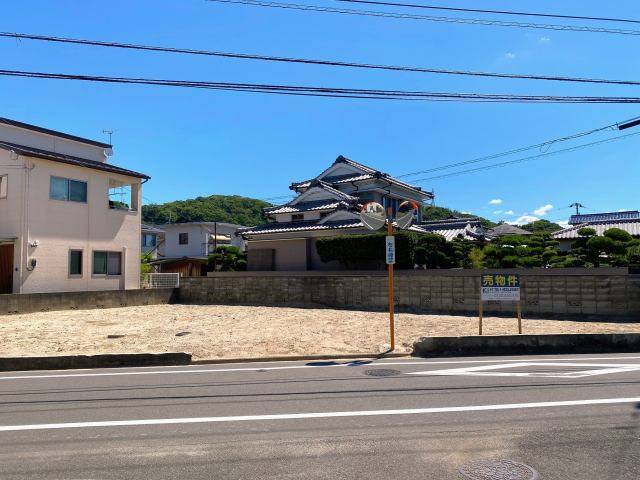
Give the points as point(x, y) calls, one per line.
point(490, 371)
point(354, 363)
point(294, 416)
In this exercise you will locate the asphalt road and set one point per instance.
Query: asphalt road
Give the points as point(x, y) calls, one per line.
point(568, 417)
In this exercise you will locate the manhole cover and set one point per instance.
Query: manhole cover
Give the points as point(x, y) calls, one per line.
point(497, 470)
point(382, 372)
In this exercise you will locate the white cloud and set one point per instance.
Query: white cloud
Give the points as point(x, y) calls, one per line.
point(466, 213)
point(509, 212)
point(563, 223)
point(524, 219)
point(545, 40)
point(497, 212)
point(495, 201)
point(543, 210)
point(509, 55)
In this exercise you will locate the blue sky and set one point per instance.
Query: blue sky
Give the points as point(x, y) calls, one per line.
point(194, 142)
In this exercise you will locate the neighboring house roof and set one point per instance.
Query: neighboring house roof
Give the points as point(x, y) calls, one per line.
point(69, 159)
point(506, 229)
point(340, 199)
point(146, 228)
point(178, 259)
point(604, 217)
point(367, 173)
point(327, 204)
point(468, 228)
point(632, 226)
point(35, 128)
point(307, 225)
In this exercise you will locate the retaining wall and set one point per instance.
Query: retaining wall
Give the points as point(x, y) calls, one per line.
point(42, 302)
point(605, 291)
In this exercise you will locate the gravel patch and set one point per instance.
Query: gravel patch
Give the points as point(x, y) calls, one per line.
point(222, 331)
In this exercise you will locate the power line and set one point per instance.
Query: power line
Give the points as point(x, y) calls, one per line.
point(494, 12)
point(332, 63)
point(526, 159)
point(548, 143)
point(331, 92)
point(431, 18)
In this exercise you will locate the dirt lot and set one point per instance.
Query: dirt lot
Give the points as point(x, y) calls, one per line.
point(215, 331)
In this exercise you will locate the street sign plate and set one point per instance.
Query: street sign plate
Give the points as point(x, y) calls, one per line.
point(390, 249)
point(500, 287)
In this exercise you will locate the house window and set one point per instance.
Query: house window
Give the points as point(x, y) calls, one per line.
point(3, 186)
point(107, 263)
point(75, 263)
point(67, 190)
point(183, 239)
point(149, 240)
point(298, 217)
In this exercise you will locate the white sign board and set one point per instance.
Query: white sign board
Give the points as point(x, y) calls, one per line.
point(390, 249)
point(500, 287)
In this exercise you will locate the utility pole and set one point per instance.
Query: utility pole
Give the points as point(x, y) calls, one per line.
point(578, 207)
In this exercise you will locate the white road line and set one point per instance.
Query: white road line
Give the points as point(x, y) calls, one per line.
point(490, 370)
point(294, 416)
point(194, 369)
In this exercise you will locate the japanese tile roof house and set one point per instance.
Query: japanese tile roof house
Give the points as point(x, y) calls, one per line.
point(507, 229)
point(326, 205)
point(629, 221)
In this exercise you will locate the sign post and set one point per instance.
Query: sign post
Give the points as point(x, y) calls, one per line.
point(500, 287)
point(374, 216)
point(390, 249)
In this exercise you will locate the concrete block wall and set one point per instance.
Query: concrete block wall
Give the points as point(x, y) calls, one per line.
point(606, 291)
point(43, 302)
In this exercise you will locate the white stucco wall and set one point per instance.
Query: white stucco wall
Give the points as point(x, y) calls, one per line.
point(59, 226)
point(199, 233)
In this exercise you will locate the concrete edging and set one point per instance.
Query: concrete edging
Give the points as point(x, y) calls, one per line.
point(294, 358)
point(94, 361)
point(528, 344)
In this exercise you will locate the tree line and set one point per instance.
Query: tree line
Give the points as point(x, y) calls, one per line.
point(432, 251)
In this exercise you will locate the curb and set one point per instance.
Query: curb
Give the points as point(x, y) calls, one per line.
point(94, 361)
point(528, 344)
point(293, 358)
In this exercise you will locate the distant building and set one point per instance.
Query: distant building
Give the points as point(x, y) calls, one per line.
point(326, 205)
point(470, 228)
point(506, 229)
point(629, 221)
point(152, 241)
point(69, 220)
point(186, 246)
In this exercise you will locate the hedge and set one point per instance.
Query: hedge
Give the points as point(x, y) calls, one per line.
point(361, 251)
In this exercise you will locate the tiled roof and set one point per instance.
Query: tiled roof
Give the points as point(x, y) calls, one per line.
point(369, 173)
point(506, 229)
point(306, 206)
point(468, 228)
point(307, 225)
point(632, 226)
point(603, 217)
point(69, 159)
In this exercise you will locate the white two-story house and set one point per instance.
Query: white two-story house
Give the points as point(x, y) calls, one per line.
point(69, 220)
point(326, 205)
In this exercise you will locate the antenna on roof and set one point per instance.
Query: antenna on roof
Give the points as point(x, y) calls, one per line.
point(578, 207)
point(110, 133)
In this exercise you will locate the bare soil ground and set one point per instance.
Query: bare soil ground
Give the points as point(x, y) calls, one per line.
point(219, 331)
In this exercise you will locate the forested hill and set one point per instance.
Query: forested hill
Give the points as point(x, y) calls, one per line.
point(215, 208)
